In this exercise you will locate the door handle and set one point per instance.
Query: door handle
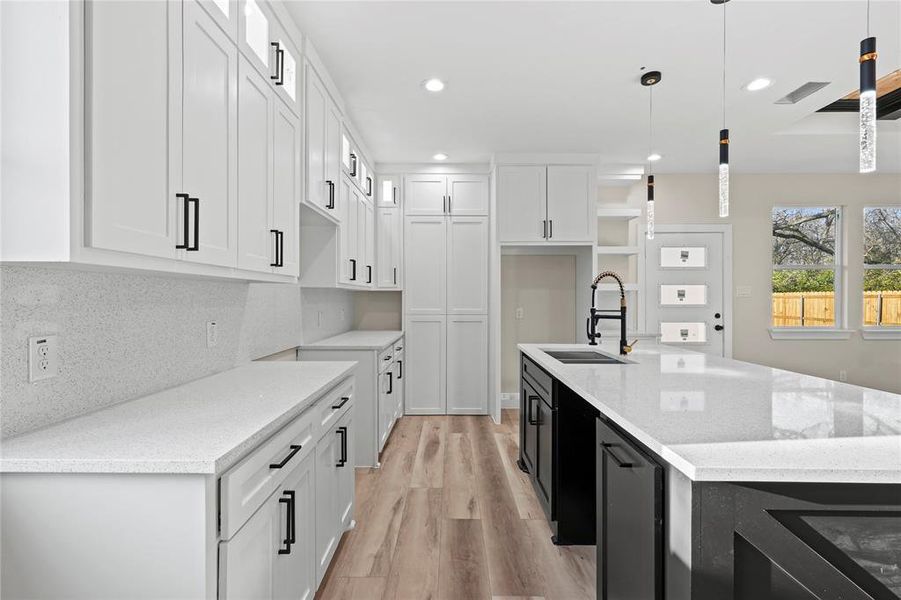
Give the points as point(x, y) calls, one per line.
point(281, 248)
point(449, 204)
point(400, 370)
point(353, 164)
point(444, 204)
point(531, 414)
point(275, 55)
point(353, 273)
point(275, 264)
point(369, 186)
point(550, 229)
point(295, 448)
point(394, 194)
point(331, 194)
point(196, 245)
point(342, 431)
point(185, 233)
point(291, 535)
point(390, 382)
point(368, 273)
point(395, 275)
point(544, 229)
point(608, 450)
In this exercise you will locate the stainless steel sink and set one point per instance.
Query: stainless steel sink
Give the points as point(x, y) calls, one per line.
point(583, 357)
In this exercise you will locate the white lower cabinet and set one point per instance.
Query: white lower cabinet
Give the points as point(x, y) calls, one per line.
point(467, 364)
point(424, 371)
point(334, 490)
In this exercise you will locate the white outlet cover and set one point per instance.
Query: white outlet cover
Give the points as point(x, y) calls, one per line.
point(43, 357)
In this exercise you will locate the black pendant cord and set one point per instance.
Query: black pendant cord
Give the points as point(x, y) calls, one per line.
point(724, 64)
point(650, 125)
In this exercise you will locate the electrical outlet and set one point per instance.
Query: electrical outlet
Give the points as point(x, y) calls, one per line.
point(212, 334)
point(843, 375)
point(43, 358)
point(519, 312)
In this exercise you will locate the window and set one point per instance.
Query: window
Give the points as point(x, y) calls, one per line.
point(882, 267)
point(806, 274)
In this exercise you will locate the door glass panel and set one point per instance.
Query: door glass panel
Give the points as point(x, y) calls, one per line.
point(683, 295)
point(223, 6)
point(683, 257)
point(387, 190)
point(683, 333)
point(256, 30)
point(345, 151)
point(290, 74)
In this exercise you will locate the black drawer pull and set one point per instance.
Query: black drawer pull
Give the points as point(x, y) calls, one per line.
point(608, 449)
point(387, 357)
point(390, 382)
point(353, 273)
point(400, 369)
point(196, 245)
point(186, 234)
point(343, 432)
point(276, 263)
point(331, 194)
point(291, 537)
point(295, 448)
point(344, 400)
point(369, 273)
point(398, 348)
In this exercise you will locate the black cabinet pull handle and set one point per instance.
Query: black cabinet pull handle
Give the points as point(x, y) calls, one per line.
point(331, 194)
point(281, 248)
point(344, 400)
point(342, 431)
point(369, 274)
point(608, 449)
point(279, 76)
point(295, 448)
point(275, 54)
point(398, 348)
point(531, 413)
point(544, 229)
point(353, 273)
point(395, 275)
point(353, 164)
point(400, 369)
point(291, 535)
point(394, 194)
point(196, 245)
point(368, 186)
point(550, 229)
point(275, 264)
point(185, 234)
point(390, 383)
point(449, 205)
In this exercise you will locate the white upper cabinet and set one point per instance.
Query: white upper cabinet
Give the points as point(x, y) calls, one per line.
point(209, 140)
point(541, 203)
point(257, 246)
point(467, 266)
point(286, 187)
point(425, 266)
point(425, 195)
point(267, 45)
point(571, 204)
point(349, 232)
point(467, 195)
point(390, 254)
point(132, 109)
point(522, 203)
point(366, 241)
point(388, 192)
point(321, 191)
point(332, 150)
point(285, 75)
point(225, 13)
point(255, 35)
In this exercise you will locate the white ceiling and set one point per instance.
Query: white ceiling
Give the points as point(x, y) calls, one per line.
point(563, 77)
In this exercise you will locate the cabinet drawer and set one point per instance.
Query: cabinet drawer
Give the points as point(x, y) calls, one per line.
point(335, 404)
point(399, 346)
point(386, 356)
point(244, 487)
point(537, 376)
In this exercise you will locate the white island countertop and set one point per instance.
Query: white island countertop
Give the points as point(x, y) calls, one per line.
point(357, 339)
point(202, 427)
point(718, 419)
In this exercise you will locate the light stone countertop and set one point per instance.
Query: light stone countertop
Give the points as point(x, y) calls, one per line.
point(718, 419)
point(356, 340)
point(202, 427)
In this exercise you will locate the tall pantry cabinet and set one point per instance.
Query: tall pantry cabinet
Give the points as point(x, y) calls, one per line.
point(446, 254)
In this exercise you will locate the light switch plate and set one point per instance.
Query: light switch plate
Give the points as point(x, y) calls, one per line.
point(43, 357)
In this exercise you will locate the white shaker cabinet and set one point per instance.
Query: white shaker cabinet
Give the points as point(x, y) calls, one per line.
point(522, 203)
point(467, 265)
point(571, 204)
point(366, 241)
point(225, 13)
point(467, 195)
point(389, 255)
point(286, 185)
point(389, 191)
point(467, 364)
point(323, 149)
point(425, 265)
point(428, 194)
point(425, 368)
point(425, 195)
point(334, 489)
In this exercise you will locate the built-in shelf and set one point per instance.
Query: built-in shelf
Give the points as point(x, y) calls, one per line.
point(623, 250)
point(612, 287)
point(618, 212)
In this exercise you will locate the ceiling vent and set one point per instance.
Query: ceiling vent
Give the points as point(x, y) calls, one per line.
point(802, 92)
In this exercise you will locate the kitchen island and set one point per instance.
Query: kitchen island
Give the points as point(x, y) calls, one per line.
point(715, 478)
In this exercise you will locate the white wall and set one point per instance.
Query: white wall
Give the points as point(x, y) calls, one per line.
point(693, 199)
point(125, 335)
point(378, 310)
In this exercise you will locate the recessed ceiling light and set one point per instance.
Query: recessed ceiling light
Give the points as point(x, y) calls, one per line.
point(433, 85)
point(761, 83)
point(440, 156)
point(654, 156)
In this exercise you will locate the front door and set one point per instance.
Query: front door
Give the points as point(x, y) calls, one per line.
point(685, 283)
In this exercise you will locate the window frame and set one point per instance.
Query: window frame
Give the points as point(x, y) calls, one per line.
point(875, 332)
point(838, 329)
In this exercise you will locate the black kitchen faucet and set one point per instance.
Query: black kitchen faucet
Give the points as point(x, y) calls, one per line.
point(598, 314)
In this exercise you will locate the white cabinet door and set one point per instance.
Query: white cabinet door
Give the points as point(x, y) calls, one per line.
point(286, 186)
point(399, 366)
point(467, 195)
point(348, 229)
point(225, 13)
point(328, 451)
point(467, 364)
point(425, 266)
point(248, 561)
point(285, 77)
point(388, 191)
point(522, 203)
point(571, 204)
point(425, 195)
point(384, 411)
point(332, 156)
point(133, 106)
point(255, 36)
point(369, 211)
point(317, 109)
point(345, 471)
point(467, 265)
point(209, 140)
point(296, 570)
point(256, 244)
point(425, 369)
point(388, 259)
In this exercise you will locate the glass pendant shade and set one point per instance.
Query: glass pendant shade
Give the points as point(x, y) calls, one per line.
point(724, 173)
point(650, 207)
point(868, 105)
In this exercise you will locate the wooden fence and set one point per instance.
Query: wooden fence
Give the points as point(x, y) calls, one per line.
point(817, 309)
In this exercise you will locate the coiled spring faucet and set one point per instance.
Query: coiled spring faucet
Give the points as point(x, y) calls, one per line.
point(598, 314)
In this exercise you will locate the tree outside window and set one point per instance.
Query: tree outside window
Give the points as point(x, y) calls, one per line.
point(805, 273)
point(882, 266)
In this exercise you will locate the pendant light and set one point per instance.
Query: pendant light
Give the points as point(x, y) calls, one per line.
point(867, 62)
point(724, 133)
point(649, 80)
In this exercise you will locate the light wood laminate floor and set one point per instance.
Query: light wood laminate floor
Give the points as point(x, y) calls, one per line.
point(449, 516)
